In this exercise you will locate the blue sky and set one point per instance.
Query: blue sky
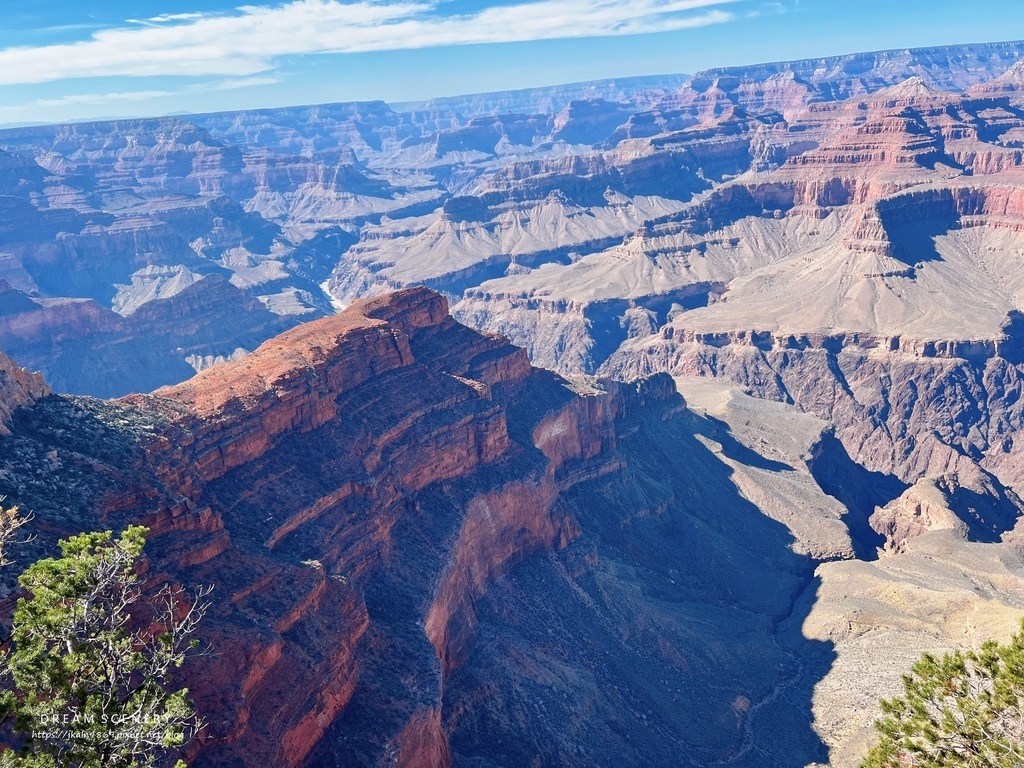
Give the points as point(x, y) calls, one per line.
point(79, 59)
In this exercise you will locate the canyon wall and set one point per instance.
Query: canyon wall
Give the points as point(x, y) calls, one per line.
point(110, 230)
point(413, 533)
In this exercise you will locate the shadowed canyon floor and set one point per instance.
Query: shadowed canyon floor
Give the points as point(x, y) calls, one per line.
point(877, 612)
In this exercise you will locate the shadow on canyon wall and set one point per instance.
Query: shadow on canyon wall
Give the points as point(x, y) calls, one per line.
point(667, 633)
point(858, 489)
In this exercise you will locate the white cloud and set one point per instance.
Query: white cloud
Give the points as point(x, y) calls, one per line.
point(164, 17)
point(249, 41)
point(76, 99)
point(235, 83)
point(97, 98)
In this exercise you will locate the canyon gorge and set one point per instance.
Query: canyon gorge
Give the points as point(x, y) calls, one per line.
point(659, 421)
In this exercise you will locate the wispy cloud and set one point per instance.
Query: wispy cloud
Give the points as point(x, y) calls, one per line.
point(75, 99)
point(250, 40)
point(16, 111)
point(235, 84)
point(66, 28)
point(164, 17)
point(97, 98)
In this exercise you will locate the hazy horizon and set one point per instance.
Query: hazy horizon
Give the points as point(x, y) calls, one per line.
point(65, 63)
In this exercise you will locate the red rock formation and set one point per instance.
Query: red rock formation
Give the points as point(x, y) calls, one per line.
point(1011, 82)
point(291, 480)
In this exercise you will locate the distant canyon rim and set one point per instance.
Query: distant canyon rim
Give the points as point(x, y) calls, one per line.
point(649, 422)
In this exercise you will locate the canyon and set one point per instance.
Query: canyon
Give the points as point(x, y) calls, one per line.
point(658, 421)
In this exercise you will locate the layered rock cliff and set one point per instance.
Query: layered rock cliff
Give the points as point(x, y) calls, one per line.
point(869, 277)
point(455, 193)
point(549, 100)
point(427, 552)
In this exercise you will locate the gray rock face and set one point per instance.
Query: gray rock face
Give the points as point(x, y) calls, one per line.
point(927, 588)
